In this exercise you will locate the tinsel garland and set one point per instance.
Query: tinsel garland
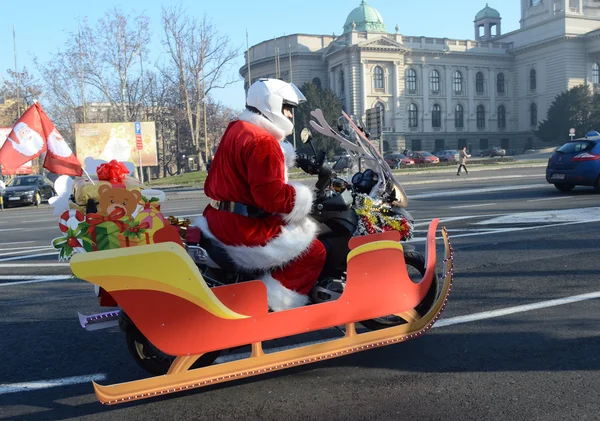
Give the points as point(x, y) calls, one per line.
point(375, 218)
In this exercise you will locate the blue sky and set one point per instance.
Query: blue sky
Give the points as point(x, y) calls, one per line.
point(42, 27)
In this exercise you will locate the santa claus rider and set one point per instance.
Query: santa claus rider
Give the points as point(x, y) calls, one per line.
point(257, 215)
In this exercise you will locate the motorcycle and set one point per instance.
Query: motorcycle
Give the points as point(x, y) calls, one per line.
point(393, 305)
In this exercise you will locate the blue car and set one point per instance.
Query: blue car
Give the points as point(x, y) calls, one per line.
point(576, 163)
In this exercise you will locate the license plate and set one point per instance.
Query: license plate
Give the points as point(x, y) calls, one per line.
point(558, 176)
point(14, 198)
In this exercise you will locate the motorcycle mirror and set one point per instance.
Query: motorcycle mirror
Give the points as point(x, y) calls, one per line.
point(305, 135)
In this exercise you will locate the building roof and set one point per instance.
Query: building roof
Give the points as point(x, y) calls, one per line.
point(364, 18)
point(487, 12)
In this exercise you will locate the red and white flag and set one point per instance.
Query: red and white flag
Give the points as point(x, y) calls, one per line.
point(25, 142)
point(31, 136)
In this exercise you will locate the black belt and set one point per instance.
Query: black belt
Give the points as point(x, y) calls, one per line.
point(240, 209)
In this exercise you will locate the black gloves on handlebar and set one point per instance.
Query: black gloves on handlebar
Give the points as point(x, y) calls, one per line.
point(307, 164)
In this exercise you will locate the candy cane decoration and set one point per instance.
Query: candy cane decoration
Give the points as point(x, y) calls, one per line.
point(63, 222)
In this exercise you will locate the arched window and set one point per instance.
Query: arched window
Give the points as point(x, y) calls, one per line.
point(316, 81)
point(480, 116)
point(533, 114)
point(413, 115)
point(479, 83)
point(434, 81)
point(411, 81)
point(436, 116)
point(378, 77)
point(501, 117)
point(381, 108)
point(459, 116)
point(500, 83)
point(595, 74)
point(532, 79)
point(457, 82)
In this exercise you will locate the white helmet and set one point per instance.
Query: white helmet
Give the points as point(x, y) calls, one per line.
point(269, 96)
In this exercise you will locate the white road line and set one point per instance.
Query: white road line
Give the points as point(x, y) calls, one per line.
point(33, 265)
point(28, 256)
point(472, 206)
point(68, 381)
point(46, 384)
point(447, 193)
point(551, 198)
point(11, 229)
point(514, 310)
point(12, 253)
point(16, 242)
point(21, 248)
point(41, 278)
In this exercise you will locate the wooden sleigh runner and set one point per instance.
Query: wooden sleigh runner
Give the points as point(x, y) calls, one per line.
point(163, 293)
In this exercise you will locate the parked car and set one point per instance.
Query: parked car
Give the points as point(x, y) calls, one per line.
point(492, 152)
point(422, 157)
point(576, 163)
point(27, 189)
point(397, 160)
point(448, 155)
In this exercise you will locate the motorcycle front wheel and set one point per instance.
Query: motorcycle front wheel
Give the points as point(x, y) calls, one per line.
point(153, 360)
point(415, 265)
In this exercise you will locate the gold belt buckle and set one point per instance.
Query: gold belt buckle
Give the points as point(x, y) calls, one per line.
point(215, 204)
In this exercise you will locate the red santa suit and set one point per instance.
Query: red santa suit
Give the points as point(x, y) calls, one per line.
point(251, 167)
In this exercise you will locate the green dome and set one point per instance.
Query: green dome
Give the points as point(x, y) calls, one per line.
point(487, 12)
point(366, 19)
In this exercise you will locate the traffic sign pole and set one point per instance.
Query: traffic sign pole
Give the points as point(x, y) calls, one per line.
point(139, 145)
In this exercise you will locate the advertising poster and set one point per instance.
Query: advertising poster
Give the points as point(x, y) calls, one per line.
point(23, 169)
point(120, 141)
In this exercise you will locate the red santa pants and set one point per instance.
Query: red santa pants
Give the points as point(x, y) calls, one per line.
point(301, 274)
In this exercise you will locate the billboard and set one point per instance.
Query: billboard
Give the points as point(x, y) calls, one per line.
point(26, 167)
point(120, 141)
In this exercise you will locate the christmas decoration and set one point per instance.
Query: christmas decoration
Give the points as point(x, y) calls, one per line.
point(377, 217)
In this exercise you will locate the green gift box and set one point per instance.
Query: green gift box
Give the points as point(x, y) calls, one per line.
point(107, 236)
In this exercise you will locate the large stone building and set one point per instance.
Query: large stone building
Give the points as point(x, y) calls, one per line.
point(438, 93)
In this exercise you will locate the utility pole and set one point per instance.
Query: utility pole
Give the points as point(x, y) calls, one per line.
point(291, 80)
point(204, 109)
point(248, 59)
point(82, 76)
point(18, 85)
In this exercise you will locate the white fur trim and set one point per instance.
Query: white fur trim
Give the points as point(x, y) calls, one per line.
point(289, 153)
point(293, 240)
point(281, 298)
point(261, 121)
point(302, 204)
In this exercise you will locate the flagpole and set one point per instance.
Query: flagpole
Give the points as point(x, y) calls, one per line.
point(248, 59)
point(16, 74)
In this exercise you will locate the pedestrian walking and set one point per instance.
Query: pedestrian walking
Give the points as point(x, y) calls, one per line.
point(462, 160)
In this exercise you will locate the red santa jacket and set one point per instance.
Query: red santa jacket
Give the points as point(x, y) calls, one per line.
point(251, 167)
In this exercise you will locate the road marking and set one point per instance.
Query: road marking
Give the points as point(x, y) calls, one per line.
point(46, 384)
point(472, 206)
point(68, 381)
point(551, 198)
point(447, 193)
point(549, 216)
point(16, 242)
point(28, 256)
point(26, 251)
point(514, 310)
point(32, 265)
point(32, 279)
point(11, 229)
point(22, 248)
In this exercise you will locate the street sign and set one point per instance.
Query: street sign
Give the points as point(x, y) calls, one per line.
point(138, 136)
point(571, 131)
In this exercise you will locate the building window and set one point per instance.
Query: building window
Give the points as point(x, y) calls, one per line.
point(317, 82)
point(435, 81)
point(342, 82)
point(458, 82)
point(381, 109)
point(595, 74)
point(479, 83)
point(500, 83)
point(532, 80)
point(459, 116)
point(411, 81)
point(378, 77)
point(436, 116)
point(533, 114)
point(413, 115)
point(480, 116)
point(501, 117)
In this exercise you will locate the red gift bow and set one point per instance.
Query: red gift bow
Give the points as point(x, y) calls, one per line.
point(96, 219)
point(135, 230)
point(151, 205)
point(113, 171)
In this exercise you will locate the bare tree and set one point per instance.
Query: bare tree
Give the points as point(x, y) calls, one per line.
point(199, 60)
point(18, 85)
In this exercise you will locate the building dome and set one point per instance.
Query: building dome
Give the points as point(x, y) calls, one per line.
point(487, 12)
point(364, 19)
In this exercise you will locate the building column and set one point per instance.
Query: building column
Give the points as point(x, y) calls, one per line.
point(467, 84)
point(365, 80)
point(448, 92)
point(425, 79)
point(395, 106)
point(492, 88)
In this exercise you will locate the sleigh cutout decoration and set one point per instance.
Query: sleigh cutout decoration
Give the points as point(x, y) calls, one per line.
point(163, 293)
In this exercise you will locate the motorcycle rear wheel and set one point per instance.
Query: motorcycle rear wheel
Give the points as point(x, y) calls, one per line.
point(153, 360)
point(415, 264)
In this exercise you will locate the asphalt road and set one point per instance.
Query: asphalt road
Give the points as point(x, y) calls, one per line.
point(519, 338)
